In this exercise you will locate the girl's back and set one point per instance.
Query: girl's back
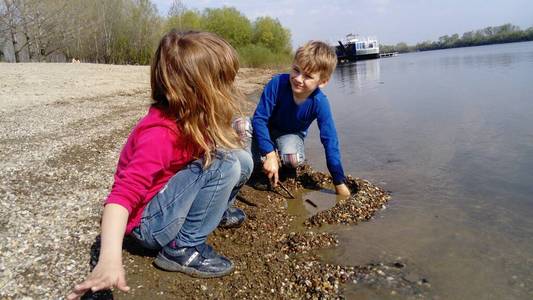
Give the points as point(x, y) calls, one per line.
point(155, 150)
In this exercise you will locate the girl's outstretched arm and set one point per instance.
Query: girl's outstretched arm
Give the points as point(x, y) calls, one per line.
point(109, 271)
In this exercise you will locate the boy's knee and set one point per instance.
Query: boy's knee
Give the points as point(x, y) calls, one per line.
point(243, 127)
point(292, 159)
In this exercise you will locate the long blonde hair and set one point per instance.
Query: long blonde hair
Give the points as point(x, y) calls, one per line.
point(192, 79)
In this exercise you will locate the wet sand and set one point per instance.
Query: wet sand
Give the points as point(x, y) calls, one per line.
point(63, 126)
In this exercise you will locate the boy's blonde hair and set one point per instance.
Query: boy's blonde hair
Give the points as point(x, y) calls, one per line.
point(316, 56)
point(192, 80)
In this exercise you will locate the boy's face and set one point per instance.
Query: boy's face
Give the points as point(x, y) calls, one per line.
point(303, 84)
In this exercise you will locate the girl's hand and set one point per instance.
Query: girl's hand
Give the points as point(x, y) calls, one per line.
point(342, 190)
point(109, 271)
point(105, 275)
point(271, 167)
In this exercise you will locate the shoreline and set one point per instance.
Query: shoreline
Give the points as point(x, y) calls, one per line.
point(63, 127)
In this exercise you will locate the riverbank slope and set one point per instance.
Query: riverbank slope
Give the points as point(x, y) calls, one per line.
point(63, 126)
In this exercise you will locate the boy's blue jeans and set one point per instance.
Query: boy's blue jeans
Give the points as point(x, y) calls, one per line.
point(192, 203)
point(290, 146)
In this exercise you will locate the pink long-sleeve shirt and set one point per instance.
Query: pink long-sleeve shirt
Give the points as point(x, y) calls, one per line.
point(154, 152)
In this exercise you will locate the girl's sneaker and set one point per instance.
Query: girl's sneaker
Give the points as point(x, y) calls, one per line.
point(200, 261)
point(233, 217)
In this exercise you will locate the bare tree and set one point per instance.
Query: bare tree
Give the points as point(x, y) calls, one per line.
point(105, 31)
point(36, 28)
point(44, 27)
point(10, 20)
point(177, 8)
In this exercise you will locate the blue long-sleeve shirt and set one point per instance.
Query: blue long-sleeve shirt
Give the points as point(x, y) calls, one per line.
point(277, 110)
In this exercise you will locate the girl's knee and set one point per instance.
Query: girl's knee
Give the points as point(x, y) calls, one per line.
point(231, 170)
point(246, 161)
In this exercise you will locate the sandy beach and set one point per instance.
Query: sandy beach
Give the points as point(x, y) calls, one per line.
point(62, 127)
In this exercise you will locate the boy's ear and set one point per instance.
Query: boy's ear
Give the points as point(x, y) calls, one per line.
point(323, 83)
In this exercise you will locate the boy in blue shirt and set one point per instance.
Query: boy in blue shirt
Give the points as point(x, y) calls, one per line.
point(288, 106)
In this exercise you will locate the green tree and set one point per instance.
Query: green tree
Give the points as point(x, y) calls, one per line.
point(127, 31)
point(528, 35)
point(188, 20)
point(230, 24)
point(183, 19)
point(144, 34)
point(402, 47)
point(269, 33)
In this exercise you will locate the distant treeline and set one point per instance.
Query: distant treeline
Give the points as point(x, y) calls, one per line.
point(127, 31)
point(506, 33)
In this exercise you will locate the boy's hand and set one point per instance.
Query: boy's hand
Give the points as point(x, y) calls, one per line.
point(104, 276)
point(271, 167)
point(342, 190)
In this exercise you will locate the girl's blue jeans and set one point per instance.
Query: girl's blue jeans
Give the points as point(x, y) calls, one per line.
point(192, 203)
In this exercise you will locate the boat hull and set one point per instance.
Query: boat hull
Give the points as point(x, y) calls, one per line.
point(353, 49)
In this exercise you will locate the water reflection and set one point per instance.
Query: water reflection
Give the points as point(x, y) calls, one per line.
point(490, 60)
point(483, 56)
point(353, 76)
point(449, 132)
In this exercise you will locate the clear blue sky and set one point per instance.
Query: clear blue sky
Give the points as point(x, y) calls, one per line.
point(409, 21)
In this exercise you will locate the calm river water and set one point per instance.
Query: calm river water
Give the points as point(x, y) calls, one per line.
point(450, 134)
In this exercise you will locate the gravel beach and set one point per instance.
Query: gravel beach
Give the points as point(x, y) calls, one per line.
point(62, 127)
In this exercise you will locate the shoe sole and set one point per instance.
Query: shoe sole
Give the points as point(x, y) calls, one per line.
point(230, 226)
point(168, 265)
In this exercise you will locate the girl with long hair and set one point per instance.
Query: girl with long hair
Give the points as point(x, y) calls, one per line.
point(181, 166)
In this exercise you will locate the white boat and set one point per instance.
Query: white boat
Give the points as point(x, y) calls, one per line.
point(353, 48)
